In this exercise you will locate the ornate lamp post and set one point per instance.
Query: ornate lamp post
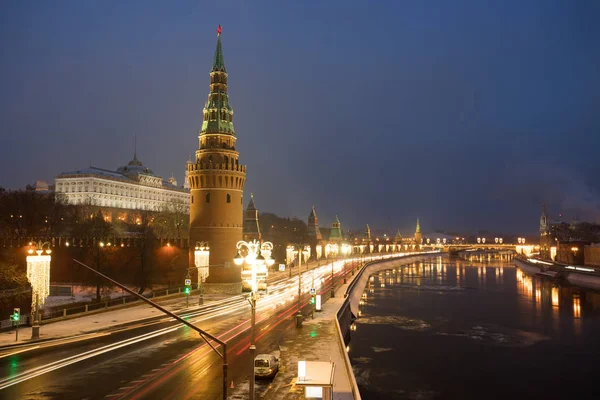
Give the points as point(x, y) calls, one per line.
point(256, 272)
point(201, 257)
point(300, 249)
point(38, 274)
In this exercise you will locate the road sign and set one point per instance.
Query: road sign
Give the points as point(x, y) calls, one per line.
point(188, 282)
point(313, 291)
point(282, 267)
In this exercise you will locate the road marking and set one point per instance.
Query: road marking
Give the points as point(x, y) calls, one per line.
point(17, 352)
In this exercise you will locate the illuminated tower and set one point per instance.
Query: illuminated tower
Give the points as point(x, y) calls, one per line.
point(418, 237)
point(335, 235)
point(217, 182)
point(545, 236)
point(313, 231)
point(251, 227)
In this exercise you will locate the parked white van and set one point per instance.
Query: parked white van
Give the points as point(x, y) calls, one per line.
point(266, 365)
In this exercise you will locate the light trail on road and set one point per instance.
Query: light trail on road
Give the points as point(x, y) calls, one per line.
point(275, 307)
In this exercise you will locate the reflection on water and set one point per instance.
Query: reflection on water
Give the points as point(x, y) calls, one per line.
point(445, 322)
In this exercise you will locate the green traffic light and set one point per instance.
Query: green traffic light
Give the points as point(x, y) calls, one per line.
point(15, 316)
point(312, 300)
point(187, 290)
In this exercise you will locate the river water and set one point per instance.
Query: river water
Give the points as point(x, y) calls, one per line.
point(455, 329)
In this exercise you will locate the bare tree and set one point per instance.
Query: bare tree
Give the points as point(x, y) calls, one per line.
point(97, 231)
point(172, 221)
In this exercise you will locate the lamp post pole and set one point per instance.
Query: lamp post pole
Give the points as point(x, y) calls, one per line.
point(255, 259)
point(332, 286)
point(299, 314)
point(252, 344)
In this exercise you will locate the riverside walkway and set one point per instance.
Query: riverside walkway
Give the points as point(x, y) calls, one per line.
point(317, 340)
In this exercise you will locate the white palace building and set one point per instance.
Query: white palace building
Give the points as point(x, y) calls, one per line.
point(130, 187)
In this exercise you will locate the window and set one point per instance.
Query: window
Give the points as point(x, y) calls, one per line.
point(192, 199)
point(208, 197)
point(228, 198)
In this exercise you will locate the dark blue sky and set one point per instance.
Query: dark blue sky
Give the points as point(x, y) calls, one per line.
point(463, 113)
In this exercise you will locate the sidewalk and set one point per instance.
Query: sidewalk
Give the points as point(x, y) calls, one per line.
point(316, 341)
point(92, 323)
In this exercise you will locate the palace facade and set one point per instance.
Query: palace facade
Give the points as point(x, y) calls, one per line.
point(130, 187)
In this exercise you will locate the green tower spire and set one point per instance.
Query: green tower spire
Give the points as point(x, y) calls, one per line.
point(418, 227)
point(218, 113)
point(219, 61)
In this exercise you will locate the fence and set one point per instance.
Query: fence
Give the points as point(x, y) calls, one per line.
point(73, 309)
point(8, 324)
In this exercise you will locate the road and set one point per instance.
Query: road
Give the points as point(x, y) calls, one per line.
point(160, 358)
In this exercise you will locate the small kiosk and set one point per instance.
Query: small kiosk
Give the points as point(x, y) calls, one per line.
point(317, 379)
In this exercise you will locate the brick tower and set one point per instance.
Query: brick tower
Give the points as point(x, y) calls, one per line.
point(217, 183)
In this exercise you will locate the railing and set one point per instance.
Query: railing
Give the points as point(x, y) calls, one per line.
point(8, 324)
point(79, 308)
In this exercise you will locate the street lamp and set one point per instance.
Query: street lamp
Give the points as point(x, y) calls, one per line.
point(574, 250)
point(301, 250)
point(201, 260)
point(38, 274)
point(256, 272)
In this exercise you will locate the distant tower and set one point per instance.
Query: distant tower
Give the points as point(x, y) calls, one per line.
point(545, 237)
point(398, 237)
point(418, 236)
point(544, 221)
point(172, 180)
point(368, 233)
point(335, 235)
point(251, 227)
point(186, 181)
point(313, 231)
point(217, 182)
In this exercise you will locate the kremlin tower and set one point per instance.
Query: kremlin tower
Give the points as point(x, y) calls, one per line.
point(216, 181)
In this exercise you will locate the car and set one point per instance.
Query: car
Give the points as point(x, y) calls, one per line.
point(266, 366)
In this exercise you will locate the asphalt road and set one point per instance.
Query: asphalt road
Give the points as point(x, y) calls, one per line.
point(158, 358)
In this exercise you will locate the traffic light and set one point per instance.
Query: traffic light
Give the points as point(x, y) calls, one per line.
point(16, 315)
point(187, 290)
point(312, 299)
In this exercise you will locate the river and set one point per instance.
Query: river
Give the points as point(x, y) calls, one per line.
point(450, 328)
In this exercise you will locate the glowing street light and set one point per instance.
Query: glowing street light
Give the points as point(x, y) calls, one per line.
point(201, 259)
point(256, 272)
point(38, 274)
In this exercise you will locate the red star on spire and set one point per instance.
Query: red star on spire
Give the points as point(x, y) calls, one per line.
point(219, 29)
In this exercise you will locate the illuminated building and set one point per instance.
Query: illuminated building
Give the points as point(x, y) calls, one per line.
point(131, 187)
point(217, 182)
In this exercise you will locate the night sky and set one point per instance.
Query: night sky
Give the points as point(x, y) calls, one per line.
point(466, 114)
